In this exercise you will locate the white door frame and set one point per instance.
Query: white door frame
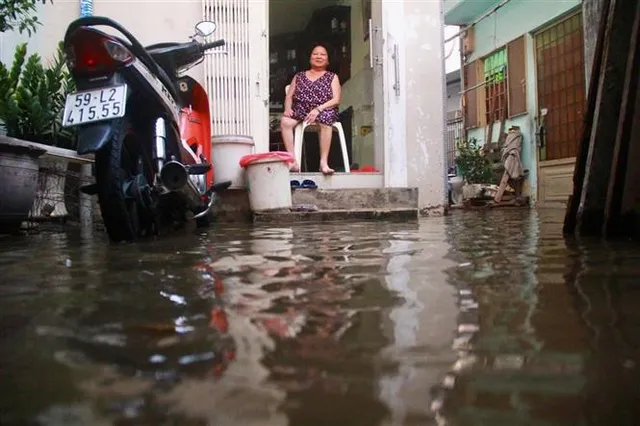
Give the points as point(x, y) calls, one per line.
point(387, 60)
point(259, 66)
point(389, 90)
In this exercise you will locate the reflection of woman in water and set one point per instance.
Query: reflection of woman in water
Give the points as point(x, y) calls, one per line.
point(313, 97)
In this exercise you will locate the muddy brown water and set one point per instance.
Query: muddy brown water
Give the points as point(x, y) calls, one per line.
point(472, 319)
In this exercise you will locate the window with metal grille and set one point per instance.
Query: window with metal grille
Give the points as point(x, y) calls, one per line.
point(561, 86)
point(496, 86)
point(495, 77)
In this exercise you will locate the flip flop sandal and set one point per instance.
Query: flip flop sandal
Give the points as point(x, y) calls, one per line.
point(309, 184)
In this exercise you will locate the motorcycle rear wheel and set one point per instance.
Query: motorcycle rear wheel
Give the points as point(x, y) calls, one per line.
point(122, 176)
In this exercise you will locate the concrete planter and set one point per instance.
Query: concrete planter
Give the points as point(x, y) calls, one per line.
point(49, 202)
point(18, 182)
point(48, 180)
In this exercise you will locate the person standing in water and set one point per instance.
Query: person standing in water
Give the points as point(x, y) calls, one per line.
point(313, 97)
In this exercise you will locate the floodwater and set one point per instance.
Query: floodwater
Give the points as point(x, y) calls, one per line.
point(472, 319)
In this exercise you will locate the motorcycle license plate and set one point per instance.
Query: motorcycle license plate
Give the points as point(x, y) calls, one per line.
point(94, 105)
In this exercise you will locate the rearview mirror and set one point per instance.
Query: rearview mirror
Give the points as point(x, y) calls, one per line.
point(205, 28)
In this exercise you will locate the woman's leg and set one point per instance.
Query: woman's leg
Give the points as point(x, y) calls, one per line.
point(286, 128)
point(326, 133)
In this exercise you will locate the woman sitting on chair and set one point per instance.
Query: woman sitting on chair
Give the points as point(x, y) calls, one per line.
point(313, 97)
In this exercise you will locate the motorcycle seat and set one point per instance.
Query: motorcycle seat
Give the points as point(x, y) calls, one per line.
point(163, 74)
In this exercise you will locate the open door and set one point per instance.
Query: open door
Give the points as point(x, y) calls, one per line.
point(236, 77)
point(387, 60)
point(375, 61)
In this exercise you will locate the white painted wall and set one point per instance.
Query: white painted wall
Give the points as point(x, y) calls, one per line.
point(419, 161)
point(54, 18)
point(150, 21)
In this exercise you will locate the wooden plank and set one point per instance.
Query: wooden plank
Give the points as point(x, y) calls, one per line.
point(502, 136)
point(591, 18)
point(571, 217)
point(470, 98)
point(590, 217)
point(613, 223)
point(517, 76)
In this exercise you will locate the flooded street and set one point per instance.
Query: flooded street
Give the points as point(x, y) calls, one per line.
point(471, 319)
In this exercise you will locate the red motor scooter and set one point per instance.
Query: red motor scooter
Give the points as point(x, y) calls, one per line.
point(147, 124)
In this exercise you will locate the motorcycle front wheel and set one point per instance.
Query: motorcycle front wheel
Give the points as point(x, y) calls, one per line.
point(123, 174)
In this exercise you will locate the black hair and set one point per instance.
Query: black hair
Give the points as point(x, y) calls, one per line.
point(331, 54)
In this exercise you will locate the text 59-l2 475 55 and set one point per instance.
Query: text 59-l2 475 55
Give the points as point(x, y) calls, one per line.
point(95, 105)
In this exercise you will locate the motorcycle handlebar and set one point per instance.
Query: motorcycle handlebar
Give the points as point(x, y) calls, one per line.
point(213, 44)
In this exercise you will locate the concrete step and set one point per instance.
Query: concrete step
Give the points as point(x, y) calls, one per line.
point(403, 214)
point(352, 199)
point(327, 204)
point(342, 180)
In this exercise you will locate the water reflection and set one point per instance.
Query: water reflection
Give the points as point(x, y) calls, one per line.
point(532, 359)
point(473, 319)
point(420, 327)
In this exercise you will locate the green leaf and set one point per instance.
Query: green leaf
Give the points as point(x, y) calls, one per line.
point(474, 166)
point(19, 15)
point(32, 98)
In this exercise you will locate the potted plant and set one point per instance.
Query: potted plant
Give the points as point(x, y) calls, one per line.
point(474, 167)
point(32, 100)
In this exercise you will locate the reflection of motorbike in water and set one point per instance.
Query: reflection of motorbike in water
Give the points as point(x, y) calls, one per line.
point(136, 340)
point(189, 343)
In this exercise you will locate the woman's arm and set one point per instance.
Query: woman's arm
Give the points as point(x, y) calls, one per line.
point(336, 89)
point(288, 100)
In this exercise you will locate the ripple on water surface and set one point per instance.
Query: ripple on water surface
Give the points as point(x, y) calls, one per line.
point(473, 319)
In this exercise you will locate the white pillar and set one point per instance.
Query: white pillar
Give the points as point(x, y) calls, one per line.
point(415, 109)
point(425, 81)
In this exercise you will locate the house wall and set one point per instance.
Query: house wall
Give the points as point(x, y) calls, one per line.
point(44, 41)
point(516, 18)
point(149, 21)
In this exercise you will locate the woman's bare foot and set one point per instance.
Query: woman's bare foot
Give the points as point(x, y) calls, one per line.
point(294, 168)
point(326, 170)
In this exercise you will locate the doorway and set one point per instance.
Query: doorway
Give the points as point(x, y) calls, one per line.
point(559, 54)
point(343, 26)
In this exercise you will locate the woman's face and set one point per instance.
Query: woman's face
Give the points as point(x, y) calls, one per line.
point(319, 57)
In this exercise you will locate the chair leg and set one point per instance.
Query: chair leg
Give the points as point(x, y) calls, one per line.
point(304, 164)
point(298, 138)
point(343, 147)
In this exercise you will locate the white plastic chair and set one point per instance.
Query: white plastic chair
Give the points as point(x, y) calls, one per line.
point(298, 139)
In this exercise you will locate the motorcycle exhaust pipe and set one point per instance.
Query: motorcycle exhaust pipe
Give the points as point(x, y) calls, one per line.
point(161, 137)
point(175, 178)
